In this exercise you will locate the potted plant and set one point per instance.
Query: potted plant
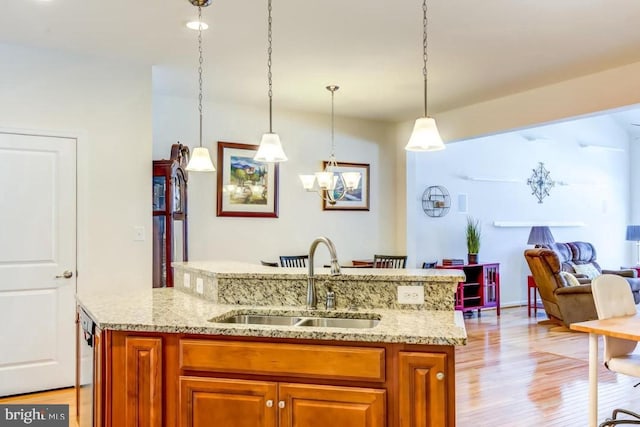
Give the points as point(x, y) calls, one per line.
point(473, 240)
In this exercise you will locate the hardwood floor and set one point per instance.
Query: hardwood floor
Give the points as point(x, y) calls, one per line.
point(514, 372)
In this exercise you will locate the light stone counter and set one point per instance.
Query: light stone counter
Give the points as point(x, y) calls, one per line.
point(229, 282)
point(173, 311)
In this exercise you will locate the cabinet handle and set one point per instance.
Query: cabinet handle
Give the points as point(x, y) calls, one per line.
point(269, 403)
point(281, 404)
point(440, 376)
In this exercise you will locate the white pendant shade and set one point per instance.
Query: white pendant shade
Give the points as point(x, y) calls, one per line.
point(200, 161)
point(425, 136)
point(326, 180)
point(270, 149)
point(307, 181)
point(351, 179)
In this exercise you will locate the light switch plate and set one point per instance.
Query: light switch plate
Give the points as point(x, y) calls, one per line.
point(410, 294)
point(186, 280)
point(199, 285)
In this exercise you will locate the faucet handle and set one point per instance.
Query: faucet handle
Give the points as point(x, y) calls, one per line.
point(331, 300)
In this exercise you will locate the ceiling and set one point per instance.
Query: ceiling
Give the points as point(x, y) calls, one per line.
point(478, 50)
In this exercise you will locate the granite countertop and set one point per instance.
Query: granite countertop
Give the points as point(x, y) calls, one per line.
point(234, 269)
point(172, 311)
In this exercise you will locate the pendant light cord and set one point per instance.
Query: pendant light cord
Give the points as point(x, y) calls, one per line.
point(269, 38)
point(424, 52)
point(200, 61)
point(333, 144)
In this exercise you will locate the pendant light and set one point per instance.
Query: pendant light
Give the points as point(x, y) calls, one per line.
point(425, 135)
point(326, 182)
point(270, 149)
point(200, 160)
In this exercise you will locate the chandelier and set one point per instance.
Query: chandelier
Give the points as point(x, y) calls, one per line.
point(425, 135)
point(330, 184)
point(200, 160)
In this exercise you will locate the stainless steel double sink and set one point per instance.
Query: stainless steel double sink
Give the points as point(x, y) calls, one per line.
point(301, 320)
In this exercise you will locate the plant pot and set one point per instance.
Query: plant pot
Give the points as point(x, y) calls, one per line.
point(472, 258)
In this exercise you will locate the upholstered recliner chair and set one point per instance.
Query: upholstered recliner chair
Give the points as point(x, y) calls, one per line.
point(563, 304)
point(575, 255)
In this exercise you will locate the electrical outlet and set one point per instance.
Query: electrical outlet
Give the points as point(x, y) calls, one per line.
point(186, 280)
point(199, 285)
point(410, 294)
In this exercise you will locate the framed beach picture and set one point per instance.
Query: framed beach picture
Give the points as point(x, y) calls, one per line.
point(353, 200)
point(246, 188)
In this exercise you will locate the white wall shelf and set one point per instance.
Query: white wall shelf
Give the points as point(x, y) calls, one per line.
point(538, 223)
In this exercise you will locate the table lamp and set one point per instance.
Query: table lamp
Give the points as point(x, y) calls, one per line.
point(541, 236)
point(633, 235)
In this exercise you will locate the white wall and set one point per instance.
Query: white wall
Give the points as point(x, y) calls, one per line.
point(606, 90)
point(108, 105)
point(306, 140)
point(597, 194)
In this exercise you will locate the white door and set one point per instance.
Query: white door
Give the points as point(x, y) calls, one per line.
point(37, 246)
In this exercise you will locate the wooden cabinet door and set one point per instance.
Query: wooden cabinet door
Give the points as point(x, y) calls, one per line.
point(136, 389)
point(303, 405)
point(422, 390)
point(205, 402)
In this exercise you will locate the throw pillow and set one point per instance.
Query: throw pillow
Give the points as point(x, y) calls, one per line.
point(570, 279)
point(588, 270)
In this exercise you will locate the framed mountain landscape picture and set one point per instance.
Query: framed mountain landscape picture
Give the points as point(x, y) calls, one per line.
point(245, 187)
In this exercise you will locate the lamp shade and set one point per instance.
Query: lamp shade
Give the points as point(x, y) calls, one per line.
point(633, 233)
point(200, 161)
point(540, 236)
point(425, 136)
point(270, 149)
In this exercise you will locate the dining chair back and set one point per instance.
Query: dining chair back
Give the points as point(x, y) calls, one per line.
point(389, 261)
point(613, 298)
point(294, 260)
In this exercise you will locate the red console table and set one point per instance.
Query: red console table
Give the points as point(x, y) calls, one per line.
point(481, 289)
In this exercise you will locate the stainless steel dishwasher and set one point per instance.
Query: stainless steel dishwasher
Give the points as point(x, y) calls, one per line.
point(86, 332)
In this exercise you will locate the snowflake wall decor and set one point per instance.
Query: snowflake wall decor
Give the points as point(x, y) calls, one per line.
point(540, 182)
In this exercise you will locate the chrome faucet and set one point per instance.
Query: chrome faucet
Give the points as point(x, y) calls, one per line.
point(312, 299)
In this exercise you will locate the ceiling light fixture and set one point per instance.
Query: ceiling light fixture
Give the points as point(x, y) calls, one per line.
point(270, 149)
point(425, 135)
point(200, 160)
point(195, 25)
point(329, 184)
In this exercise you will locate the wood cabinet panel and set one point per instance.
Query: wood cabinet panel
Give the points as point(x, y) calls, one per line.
point(137, 381)
point(423, 390)
point(308, 405)
point(222, 402)
point(310, 361)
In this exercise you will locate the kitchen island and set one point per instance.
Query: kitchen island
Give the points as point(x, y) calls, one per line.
point(184, 357)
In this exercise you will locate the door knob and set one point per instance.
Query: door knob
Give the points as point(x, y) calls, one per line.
point(66, 275)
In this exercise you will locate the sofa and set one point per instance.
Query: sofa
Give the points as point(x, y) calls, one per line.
point(572, 255)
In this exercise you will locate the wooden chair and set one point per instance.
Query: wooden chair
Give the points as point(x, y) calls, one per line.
point(389, 261)
point(294, 261)
point(269, 264)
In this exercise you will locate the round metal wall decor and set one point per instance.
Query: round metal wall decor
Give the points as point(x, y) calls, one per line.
point(436, 201)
